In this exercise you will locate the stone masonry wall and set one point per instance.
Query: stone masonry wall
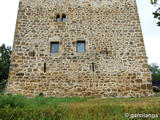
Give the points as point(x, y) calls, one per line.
point(120, 71)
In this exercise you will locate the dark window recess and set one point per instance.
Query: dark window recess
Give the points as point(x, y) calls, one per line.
point(58, 18)
point(93, 67)
point(33, 53)
point(41, 94)
point(107, 51)
point(63, 18)
point(20, 74)
point(45, 67)
point(80, 46)
point(54, 47)
point(13, 65)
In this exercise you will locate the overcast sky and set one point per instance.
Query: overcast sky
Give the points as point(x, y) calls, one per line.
point(151, 33)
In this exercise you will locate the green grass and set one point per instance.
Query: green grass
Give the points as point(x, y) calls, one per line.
point(41, 108)
point(157, 93)
point(22, 102)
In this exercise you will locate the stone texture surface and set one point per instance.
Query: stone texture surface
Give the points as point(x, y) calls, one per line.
point(111, 24)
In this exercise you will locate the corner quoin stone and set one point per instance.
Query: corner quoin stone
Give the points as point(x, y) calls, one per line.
point(114, 63)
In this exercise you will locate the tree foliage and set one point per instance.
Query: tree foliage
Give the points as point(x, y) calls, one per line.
point(5, 55)
point(157, 12)
point(155, 71)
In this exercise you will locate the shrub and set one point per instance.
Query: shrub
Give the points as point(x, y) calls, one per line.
point(12, 101)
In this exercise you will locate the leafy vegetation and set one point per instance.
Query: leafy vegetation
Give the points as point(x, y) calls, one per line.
point(5, 55)
point(40, 108)
point(157, 11)
point(155, 71)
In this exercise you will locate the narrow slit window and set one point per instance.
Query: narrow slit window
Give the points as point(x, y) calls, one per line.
point(63, 18)
point(58, 18)
point(80, 46)
point(45, 67)
point(106, 51)
point(54, 47)
point(93, 67)
point(33, 53)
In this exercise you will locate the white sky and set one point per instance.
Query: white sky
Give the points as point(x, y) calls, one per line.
point(151, 33)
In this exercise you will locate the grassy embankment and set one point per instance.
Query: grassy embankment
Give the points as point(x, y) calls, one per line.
point(40, 108)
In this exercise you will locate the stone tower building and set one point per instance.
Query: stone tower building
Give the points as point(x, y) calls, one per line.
point(79, 48)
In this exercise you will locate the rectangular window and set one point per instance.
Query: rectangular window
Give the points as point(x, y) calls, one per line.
point(106, 51)
point(44, 67)
point(80, 46)
point(54, 47)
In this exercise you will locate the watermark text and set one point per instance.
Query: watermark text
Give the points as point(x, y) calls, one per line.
point(142, 115)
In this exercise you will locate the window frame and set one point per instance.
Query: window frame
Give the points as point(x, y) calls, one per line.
point(64, 17)
point(58, 17)
point(84, 46)
point(51, 43)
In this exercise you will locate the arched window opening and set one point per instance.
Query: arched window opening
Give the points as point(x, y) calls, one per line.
point(63, 18)
point(58, 18)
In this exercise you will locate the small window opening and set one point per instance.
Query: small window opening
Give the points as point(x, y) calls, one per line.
point(41, 94)
point(106, 51)
point(33, 53)
point(93, 67)
point(44, 67)
point(58, 18)
point(54, 47)
point(63, 18)
point(80, 46)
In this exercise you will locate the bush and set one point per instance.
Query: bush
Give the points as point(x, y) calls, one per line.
point(156, 76)
point(2, 85)
point(156, 89)
point(5, 55)
point(13, 101)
